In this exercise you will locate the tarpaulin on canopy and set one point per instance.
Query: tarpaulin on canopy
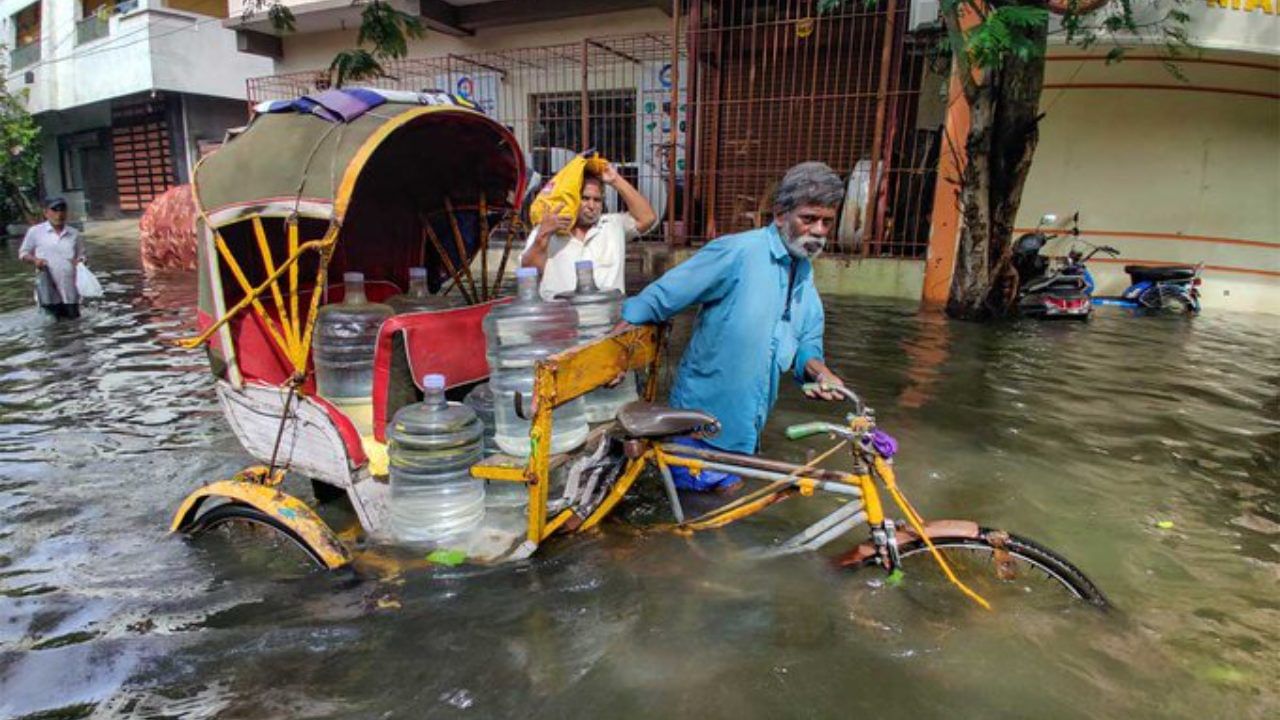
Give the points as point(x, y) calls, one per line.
point(298, 153)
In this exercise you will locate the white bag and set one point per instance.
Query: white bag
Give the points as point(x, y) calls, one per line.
point(86, 284)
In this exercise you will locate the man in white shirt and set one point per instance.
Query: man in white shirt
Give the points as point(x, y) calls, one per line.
point(55, 248)
point(559, 242)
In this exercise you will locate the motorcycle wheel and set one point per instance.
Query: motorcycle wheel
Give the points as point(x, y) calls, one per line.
point(1166, 299)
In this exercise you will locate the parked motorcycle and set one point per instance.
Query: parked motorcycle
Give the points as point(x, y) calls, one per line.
point(1063, 288)
point(1049, 288)
point(1155, 288)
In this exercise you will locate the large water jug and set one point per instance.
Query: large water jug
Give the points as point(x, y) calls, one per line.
point(431, 447)
point(497, 493)
point(419, 298)
point(518, 335)
point(598, 312)
point(346, 335)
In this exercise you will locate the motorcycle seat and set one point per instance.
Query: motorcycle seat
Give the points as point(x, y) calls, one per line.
point(1160, 273)
point(1057, 282)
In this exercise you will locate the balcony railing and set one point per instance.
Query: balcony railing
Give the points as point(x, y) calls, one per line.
point(24, 55)
point(94, 27)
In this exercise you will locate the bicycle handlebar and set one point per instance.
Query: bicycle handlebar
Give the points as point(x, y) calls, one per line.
point(804, 430)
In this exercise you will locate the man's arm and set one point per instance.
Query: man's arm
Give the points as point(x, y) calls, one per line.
point(27, 253)
point(705, 277)
point(535, 248)
point(810, 364)
point(637, 206)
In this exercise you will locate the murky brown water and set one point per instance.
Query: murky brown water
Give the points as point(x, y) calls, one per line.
point(1081, 436)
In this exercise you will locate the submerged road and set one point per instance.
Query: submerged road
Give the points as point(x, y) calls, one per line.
point(1145, 449)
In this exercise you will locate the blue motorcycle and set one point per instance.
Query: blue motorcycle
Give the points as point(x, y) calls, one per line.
point(1152, 288)
point(1058, 287)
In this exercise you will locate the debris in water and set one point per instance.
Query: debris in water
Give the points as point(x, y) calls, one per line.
point(460, 698)
point(448, 558)
point(1164, 524)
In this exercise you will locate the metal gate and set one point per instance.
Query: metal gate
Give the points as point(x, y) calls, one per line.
point(773, 84)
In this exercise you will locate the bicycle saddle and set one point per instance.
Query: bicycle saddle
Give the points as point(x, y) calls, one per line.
point(650, 420)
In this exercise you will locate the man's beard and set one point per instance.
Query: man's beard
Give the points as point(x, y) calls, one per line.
point(806, 246)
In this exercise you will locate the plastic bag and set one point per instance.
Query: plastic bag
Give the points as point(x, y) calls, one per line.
point(565, 187)
point(86, 283)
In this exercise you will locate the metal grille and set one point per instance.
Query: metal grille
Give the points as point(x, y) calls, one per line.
point(774, 85)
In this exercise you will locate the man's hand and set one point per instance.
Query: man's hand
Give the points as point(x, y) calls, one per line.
point(823, 377)
point(553, 223)
point(609, 175)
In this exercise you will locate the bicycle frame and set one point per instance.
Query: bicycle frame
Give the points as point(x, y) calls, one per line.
point(576, 371)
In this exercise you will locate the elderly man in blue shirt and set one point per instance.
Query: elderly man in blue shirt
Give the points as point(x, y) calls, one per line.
point(760, 317)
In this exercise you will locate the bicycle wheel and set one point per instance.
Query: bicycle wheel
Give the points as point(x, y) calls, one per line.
point(232, 514)
point(995, 563)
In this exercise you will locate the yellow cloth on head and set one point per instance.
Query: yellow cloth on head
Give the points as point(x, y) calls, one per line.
point(565, 187)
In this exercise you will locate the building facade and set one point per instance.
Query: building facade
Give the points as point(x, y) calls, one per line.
point(126, 92)
point(704, 104)
point(1172, 169)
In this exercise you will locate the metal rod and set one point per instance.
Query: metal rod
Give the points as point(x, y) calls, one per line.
point(669, 484)
point(484, 248)
point(584, 101)
point(448, 262)
point(756, 462)
point(877, 138)
point(839, 528)
point(675, 119)
point(461, 246)
point(825, 523)
point(836, 488)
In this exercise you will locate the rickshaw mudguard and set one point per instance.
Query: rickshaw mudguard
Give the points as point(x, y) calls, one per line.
point(291, 512)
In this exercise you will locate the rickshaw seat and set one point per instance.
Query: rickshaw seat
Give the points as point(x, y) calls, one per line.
point(448, 342)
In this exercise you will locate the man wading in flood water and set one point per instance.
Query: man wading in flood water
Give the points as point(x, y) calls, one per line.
point(761, 316)
point(55, 248)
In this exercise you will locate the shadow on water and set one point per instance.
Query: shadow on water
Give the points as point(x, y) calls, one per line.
point(1080, 436)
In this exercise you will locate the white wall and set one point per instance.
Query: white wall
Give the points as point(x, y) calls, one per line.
point(1168, 170)
point(150, 48)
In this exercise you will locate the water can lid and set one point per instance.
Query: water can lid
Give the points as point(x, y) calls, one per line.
point(349, 277)
point(526, 272)
point(417, 272)
point(434, 381)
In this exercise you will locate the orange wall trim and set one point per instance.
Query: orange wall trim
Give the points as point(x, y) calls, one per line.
point(1178, 61)
point(1162, 86)
point(1216, 268)
point(1170, 236)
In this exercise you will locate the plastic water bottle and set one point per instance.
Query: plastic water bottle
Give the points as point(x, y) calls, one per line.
point(598, 312)
point(419, 298)
point(431, 447)
point(518, 335)
point(346, 335)
point(497, 493)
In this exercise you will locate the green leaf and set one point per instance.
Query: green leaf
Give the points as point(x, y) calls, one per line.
point(358, 64)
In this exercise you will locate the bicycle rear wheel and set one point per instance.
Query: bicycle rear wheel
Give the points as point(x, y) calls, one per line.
point(994, 563)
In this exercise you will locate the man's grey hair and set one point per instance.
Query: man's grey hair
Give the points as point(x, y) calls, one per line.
point(809, 183)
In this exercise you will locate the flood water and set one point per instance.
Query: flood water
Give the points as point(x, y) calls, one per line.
point(1083, 437)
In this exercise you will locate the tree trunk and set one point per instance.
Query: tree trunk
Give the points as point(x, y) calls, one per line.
point(1003, 132)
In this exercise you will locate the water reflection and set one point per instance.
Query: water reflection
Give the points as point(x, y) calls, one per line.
point(1081, 436)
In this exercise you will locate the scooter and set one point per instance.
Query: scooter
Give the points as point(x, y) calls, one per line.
point(1047, 288)
point(1066, 290)
point(1154, 288)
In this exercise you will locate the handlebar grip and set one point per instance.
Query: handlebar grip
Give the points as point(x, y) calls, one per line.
point(804, 430)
